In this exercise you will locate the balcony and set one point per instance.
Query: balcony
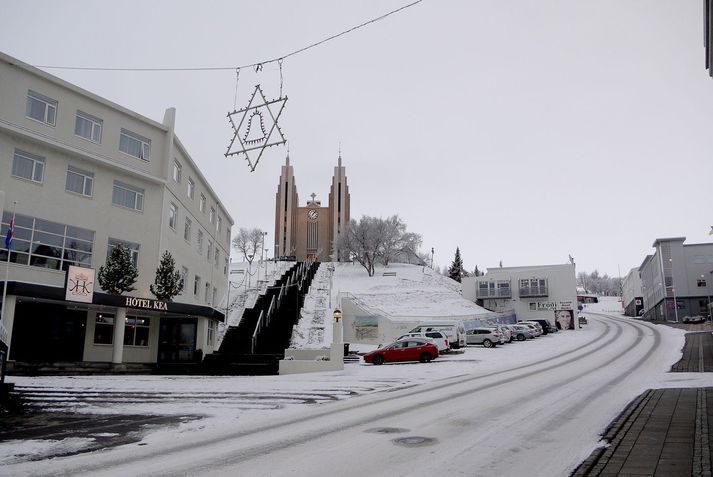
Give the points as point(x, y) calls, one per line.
point(493, 293)
point(534, 292)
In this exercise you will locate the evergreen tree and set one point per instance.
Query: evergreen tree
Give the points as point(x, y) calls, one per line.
point(455, 271)
point(119, 274)
point(477, 272)
point(168, 282)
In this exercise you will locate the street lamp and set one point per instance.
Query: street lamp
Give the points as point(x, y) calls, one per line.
point(431, 258)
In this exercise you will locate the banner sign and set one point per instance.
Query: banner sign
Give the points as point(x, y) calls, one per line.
point(80, 284)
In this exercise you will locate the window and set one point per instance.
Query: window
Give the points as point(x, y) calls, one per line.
point(41, 108)
point(211, 217)
point(200, 241)
point(177, 171)
point(699, 259)
point(191, 188)
point(128, 196)
point(134, 145)
point(210, 250)
point(187, 230)
point(225, 266)
point(79, 181)
point(45, 244)
point(172, 215)
point(88, 127)
point(136, 331)
point(701, 282)
point(207, 292)
point(215, 296)
point(196, 285)
point(210, 341)
point(104, 329)
point(201, 205)
point(217, 255)
point(28, 166)
point(227, 235)
point(184, 278)
point(133, 249)
point(220, 224)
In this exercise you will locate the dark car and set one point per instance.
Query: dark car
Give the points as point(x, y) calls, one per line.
point(407, 349)
point(546, 326)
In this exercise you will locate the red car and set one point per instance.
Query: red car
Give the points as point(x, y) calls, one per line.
point(406, 349)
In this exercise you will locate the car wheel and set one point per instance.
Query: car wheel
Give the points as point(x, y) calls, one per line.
point(520, 337)
point(425, 358)
point(378, 359)
point(487, 343)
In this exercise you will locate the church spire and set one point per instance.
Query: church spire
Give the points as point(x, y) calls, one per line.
point(339, 163)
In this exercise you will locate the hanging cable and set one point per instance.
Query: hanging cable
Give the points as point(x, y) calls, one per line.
point(279, 62)
point(237, 79)
point(259, 64)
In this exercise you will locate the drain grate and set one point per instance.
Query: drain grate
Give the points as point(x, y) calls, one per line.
point(415, 441)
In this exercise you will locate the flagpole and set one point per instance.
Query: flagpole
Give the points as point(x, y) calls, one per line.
point(7, 264)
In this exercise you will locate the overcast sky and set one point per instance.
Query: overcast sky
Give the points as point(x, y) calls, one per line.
point(518, 131)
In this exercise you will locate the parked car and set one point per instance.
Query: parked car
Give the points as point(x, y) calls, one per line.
point(439, 339)
point(694, 319)
point(523, 332)
point(408, 349)
point(547, 327)
point(488, 337)
point(453, 329)
point(503, 338)
point(533, 324)
point(506, 332)
point(534, 329)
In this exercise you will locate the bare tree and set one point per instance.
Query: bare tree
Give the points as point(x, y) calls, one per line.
point(373, 240)
point(248, 242)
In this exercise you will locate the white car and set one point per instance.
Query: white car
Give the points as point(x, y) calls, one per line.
point(439, 339)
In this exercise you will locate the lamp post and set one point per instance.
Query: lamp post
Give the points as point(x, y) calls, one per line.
point(673, 289)
point(431, 258)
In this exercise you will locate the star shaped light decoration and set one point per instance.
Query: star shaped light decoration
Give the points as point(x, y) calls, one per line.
point(257, 128)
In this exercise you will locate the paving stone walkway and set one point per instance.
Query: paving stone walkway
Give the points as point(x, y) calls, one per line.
point(663, 432)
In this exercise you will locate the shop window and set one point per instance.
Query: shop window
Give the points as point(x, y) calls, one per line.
point(136, 332)
point(104, 329)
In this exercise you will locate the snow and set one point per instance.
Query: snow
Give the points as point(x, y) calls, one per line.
point(491, 411)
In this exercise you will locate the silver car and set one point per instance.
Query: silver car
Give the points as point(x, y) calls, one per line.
point(522, 332)
point(488, 337)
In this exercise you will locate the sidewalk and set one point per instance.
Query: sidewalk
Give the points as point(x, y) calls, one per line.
point(664, 432)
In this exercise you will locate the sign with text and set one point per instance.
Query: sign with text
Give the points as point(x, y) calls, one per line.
point(80, 284)
point(551, 305)
point(145, 303)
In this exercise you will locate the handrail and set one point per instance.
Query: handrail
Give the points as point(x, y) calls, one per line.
point(254, 340)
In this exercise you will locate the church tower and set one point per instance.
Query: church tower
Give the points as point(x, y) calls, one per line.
point(310, 232)
point(338, 207)
point(285, 210)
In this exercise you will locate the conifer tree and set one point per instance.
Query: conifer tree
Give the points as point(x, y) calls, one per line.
point(477, 272)
point(455, 271)
point(119, 274)
point(168, 282)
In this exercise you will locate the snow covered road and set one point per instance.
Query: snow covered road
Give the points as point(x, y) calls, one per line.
point(534, 408)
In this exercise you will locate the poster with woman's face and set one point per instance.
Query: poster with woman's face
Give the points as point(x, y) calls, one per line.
point(564, 319)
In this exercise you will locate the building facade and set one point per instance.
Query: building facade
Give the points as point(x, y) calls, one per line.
point(310, 232)
point(81, 175)
point(547, 292)
point(632, 293)
point(676, 280)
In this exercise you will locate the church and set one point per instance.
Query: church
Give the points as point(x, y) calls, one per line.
point(310, 232)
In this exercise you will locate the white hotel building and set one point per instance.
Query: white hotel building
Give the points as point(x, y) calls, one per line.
point(83, 174)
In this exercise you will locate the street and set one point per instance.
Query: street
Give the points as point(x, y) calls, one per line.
point(532, 415)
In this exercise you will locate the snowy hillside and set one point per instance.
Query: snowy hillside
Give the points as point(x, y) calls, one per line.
point(399, 291)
